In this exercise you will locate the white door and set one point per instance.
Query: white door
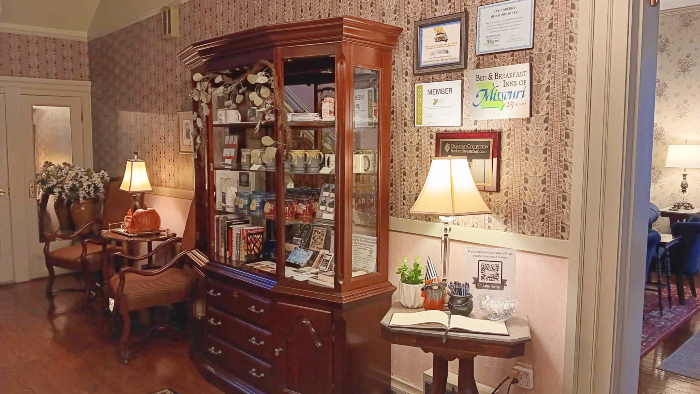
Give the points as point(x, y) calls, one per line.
point(53, 131)
point(6, 268)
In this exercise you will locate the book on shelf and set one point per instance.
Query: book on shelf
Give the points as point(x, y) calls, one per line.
point(251, 241)
point(221, 223)
point(439, 320)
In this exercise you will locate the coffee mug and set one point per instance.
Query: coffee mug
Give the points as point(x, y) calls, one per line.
point(329, 160)
point(364, 163)
point(298, 160)
point(233, 116)
point(245, 158)
point(313, 160)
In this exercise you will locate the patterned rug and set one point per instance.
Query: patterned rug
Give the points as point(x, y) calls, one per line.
point(656, 328)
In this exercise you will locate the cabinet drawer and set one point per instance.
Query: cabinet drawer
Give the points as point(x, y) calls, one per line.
point(246, 367)
point(246, 336)
point(250, 307)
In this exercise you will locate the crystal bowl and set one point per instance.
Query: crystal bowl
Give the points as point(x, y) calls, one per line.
point(497, 307)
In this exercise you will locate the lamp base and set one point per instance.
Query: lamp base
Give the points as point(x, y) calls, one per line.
point(682, 206)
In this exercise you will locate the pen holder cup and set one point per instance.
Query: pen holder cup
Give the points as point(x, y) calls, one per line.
point(461, 305)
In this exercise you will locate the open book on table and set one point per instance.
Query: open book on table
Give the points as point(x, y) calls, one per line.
point(442, 321)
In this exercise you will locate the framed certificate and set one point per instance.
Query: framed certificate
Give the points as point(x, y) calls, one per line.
point(505, 26)
point(483, 151)
point(438, 104)
point(441, 44)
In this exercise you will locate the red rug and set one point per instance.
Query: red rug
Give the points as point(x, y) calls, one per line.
point(656, 328)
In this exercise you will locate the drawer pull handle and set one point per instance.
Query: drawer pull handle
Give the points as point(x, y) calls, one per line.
point(213, 351)
point(278, 351)
point(254, 342)
point(214, 322)
point(235, 295)
point(254, 310)
point(255, 374)
point(211, 293)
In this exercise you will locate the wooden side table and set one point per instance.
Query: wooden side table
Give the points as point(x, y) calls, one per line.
point(458, 345)
point(677, 216)
point(149, 239)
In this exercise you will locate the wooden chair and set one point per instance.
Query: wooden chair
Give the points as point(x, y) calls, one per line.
point(134, 289)
point(87, 256)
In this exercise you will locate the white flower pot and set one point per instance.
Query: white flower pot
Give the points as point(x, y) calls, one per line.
point(410, 295)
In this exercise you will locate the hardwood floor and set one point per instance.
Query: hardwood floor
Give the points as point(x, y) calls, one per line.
point(656, 381)
point(73, 352)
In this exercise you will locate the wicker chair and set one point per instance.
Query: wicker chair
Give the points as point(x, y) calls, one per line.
point(133, 289)
point(88, 255)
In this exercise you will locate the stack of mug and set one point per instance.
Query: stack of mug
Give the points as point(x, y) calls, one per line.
point(308, 161)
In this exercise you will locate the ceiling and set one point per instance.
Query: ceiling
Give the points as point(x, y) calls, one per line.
point(81, 19)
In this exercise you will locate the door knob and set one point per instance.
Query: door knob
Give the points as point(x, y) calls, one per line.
point(3, 192)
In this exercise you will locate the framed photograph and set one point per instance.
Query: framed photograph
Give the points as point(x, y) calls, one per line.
point(186, 130)
point(441, 44)
point(438, 104)
point(505, 26)
point(483, 149)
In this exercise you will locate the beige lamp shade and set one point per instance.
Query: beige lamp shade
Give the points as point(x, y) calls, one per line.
point(683, 156)
point(450, 190)
point(135, 177)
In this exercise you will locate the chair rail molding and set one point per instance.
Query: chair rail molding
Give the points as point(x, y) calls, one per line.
point(610, 194)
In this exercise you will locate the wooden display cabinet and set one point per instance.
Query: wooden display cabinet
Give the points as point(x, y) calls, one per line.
point(269, 327)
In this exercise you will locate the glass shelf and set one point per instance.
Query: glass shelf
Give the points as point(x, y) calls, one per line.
point(270, 124)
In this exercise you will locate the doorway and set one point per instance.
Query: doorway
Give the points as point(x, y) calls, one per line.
point(42, 121)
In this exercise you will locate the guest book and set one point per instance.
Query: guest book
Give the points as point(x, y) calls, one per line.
point(439, 320)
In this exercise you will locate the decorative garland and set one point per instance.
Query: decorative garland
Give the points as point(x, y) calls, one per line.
point(262, 92)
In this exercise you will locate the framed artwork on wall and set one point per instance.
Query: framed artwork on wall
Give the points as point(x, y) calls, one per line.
point(505, 26)
point(483, 151)
point(440, 44)
point(186, 130)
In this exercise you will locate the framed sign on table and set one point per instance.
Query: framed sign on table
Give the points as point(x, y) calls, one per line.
point(483, 151)
point(441, 44)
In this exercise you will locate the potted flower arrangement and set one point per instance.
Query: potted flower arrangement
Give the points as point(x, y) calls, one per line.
point(410, 294)
point(75, 190)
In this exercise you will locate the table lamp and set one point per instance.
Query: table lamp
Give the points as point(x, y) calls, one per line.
point(136, 179)
point(683, 156)
point(449, 191)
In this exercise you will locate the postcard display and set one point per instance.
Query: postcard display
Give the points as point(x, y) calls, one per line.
point(296, 249)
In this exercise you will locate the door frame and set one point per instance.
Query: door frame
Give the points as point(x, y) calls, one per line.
point(614, 117)
point(14, 88)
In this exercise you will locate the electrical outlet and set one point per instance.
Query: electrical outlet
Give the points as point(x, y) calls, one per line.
point(525, 376)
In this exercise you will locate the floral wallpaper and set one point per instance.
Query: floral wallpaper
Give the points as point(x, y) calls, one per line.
point(676, 116)
point(139, 86)
point(41, 57)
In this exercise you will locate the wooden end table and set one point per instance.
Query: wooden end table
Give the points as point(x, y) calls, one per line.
point(458, 345)
point(680, 215)
point(148, 239)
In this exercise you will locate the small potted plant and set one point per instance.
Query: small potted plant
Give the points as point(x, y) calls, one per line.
point(410, 293)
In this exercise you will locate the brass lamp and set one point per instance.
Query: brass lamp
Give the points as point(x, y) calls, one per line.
point(683, 156)
point(136, 179)
point(449, 191)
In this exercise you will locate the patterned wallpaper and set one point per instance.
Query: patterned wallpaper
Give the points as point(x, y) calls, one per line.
point(676, 117)
point(41, 57)
point(139, 85)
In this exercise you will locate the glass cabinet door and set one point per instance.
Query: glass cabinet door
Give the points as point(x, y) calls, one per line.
point(309, 171)
point(365, 178)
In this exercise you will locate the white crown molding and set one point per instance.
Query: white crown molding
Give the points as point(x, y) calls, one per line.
point(43, 32)
point(681, 10)
point(137, 19)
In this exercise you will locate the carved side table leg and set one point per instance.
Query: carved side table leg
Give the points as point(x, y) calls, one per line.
point(439, 375)
point(467, 384)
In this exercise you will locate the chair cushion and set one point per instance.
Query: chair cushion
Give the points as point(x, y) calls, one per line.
point(69, 257)
point(166, 288)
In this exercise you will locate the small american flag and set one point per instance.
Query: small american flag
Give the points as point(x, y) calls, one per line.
point(430, 271)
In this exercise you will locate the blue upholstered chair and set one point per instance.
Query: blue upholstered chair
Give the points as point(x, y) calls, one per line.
point(653, 240)
point(686, 257)
point(654, 214)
